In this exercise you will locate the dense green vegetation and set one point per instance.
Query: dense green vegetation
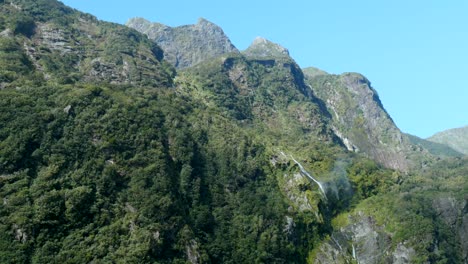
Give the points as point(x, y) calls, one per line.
point(435, 148)
point(136, 172)
point(118, 174)
point(108, 155)
point(47, 40)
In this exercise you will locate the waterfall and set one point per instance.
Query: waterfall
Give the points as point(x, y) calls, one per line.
point(354, 253)
point(303, 171)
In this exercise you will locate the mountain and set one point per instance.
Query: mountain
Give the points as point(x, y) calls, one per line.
point(434, 148)
point(263, 48)
point(266, 94)
point(54, 43)
point(188, 45)
point(239, 158)
point(359, 118)
point(456, 138)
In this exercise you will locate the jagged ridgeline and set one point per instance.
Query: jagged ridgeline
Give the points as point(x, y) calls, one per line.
point(48, 41)
point(117, 147)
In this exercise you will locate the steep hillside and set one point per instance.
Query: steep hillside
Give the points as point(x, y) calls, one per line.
point(50, 42)
point(424, 220)
point(117, 157)
point(188, 45)
point(266, 92)
point(456, 138)
point(360, 120)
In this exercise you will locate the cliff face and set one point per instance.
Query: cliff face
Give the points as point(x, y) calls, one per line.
point(454, 213)
point(372, 237)
point(359, 118)
point(67, 46)
point(188, 45)
point(362, 241)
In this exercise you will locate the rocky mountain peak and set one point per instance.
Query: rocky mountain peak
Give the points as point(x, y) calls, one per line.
point(205, 23)
point(187, 45)
point(359, 118)
point(262, 47)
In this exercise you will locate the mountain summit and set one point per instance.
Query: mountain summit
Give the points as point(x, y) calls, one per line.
point(262, 47)
point(187, 45)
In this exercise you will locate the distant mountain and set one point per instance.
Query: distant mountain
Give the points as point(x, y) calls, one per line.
point(437, 149)
point(188, 45)
point(456, 138)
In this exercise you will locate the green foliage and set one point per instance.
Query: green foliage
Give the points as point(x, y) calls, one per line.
point(128, 174)
point(97, 166)
point(456, 138)
point(65, 46)
point(368, 179)
point(14, 63)
point(434, 147)
point(44, 10)
point(23, 24)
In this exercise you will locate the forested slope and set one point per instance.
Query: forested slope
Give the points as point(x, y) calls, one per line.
point(108, 154)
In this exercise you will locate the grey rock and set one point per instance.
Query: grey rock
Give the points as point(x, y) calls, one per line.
point(362, 241)
point(359, 118)
point(187, 45)
point(192, 252)
point(403, 254)
point(263, 48)
point(67, 109)
point(455, 214)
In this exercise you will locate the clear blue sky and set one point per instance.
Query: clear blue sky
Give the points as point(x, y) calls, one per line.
point(414, 52)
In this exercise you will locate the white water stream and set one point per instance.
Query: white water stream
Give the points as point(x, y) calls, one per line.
point(304, 172)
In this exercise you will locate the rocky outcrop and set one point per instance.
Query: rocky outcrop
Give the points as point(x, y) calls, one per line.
point(85, 50)
point(263, 48)
point(454, 213)
point(360, 119)
point(187, 45)
point(362, 241)
point(121, 56)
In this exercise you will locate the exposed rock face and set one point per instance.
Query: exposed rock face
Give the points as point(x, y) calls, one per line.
point(85, 50)
point(455, 214)
point(362, 241)
point(134, 62)
point(359, 118)
point(264, 48)
point(188, 45)
point(191, 250)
